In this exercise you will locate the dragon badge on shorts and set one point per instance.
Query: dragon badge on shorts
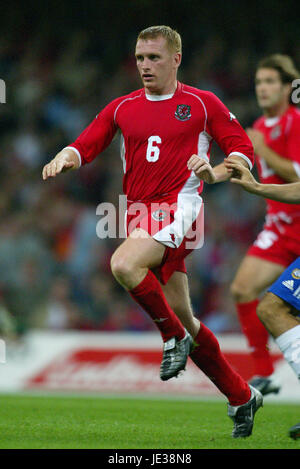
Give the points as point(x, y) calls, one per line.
point(159, 215)
point(183, 112)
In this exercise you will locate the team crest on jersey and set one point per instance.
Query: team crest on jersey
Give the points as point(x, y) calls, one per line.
point(296, 274)
point(276, 132)
point(159, 215)
point(183, 112)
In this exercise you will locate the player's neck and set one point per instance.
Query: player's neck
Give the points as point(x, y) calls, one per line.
point(276, 111)
point(168, 89)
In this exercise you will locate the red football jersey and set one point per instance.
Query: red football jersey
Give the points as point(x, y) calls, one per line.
point(282, 135)
point(158, 136)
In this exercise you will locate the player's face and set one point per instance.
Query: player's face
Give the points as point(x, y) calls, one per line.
point(270, 90)
point(157, 65)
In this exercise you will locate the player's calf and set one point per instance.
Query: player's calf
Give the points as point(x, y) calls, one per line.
point(275, 314)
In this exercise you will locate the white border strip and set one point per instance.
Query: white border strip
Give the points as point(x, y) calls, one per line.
point(297, 168)
point(242, 156)
point(77, 153)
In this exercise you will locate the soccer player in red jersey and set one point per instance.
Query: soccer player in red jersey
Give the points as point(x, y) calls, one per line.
point(279, 310)
point(276, 141)
point(167, 130)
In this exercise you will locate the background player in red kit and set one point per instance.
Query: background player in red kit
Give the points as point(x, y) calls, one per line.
point(276, 141)
point(162, 125)
point(279, 310)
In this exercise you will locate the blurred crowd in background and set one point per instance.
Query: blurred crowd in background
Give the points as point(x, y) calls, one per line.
point(60, 71)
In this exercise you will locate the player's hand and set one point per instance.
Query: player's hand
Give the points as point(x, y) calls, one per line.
point(257, 139)
point(202, 169)
point(240, 175)
point(59, 164)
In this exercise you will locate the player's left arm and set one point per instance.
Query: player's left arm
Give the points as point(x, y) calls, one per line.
point(220, 171)
point(287, 168)
point(211, 175)
point(224, 128)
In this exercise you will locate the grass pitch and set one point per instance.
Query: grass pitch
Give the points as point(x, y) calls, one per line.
point(52, 422)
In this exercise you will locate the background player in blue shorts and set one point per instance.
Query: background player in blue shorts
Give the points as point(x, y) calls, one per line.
point(279, 309)
point(287, 286)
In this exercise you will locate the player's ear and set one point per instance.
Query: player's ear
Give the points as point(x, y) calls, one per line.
point(177, 59)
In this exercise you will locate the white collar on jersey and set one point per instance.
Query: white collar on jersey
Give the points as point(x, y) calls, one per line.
point(270, 121)
point(159, 97)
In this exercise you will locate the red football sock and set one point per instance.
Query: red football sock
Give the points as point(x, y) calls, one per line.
point(209, 358)
point(150, 296)
point(257, 336)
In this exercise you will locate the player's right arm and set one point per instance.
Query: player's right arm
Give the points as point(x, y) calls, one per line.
point(288, 193)
point(92, 141)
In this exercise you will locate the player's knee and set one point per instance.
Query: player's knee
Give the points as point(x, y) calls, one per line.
point(242, 292)
point(121, 268)
point(268, 308)
point(263, 310)
point(235, 290)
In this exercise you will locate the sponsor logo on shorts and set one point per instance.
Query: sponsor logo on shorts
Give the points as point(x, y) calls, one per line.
point(297, 293)
point(164, 221)
point(296, 274)
point(183, 112)
point(159, 215)
point(288, 284)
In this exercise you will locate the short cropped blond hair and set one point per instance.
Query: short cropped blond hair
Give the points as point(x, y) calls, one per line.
point(172, 37)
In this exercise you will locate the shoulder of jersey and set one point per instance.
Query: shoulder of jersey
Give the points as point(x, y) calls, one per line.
point(259, 122)
point(295, 111)
point(128, 97)
point(133, 94)
point(293, 119)
point(196, 91)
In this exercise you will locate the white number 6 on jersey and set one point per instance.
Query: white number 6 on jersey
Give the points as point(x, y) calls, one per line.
point(153, 150)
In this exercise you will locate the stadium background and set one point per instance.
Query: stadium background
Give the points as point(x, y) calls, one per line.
point(62, 62)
